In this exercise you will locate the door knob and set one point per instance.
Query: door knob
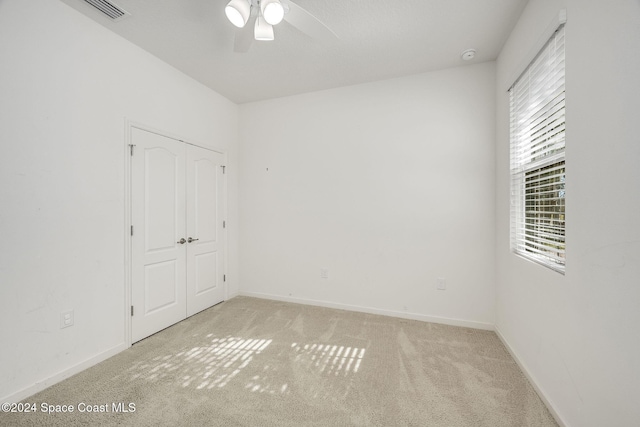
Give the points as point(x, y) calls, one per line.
point(182, 241)
point(191, 240)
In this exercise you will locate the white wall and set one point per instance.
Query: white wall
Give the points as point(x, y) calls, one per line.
point(66, 86)
point(388, 185)
point(577, 335)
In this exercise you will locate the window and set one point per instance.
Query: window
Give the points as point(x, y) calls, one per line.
point(537, 134)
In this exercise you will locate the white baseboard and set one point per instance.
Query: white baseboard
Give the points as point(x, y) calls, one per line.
point(527, 373)
point(232, 295)
point(62, 375)
point(371, 310)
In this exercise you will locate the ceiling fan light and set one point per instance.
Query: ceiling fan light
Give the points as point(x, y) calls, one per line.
point(263, 31)
point(272, 10)
point(238, 12)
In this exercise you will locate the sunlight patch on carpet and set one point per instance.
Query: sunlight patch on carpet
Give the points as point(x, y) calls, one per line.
point(204, 367)
point(330, 359)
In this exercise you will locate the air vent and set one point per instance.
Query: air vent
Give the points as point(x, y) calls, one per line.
point(114, 12)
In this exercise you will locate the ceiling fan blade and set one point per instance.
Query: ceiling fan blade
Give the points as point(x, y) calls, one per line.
point(244, 37)
point(307, 23)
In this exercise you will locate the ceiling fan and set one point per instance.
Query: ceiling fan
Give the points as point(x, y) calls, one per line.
point(266, 14)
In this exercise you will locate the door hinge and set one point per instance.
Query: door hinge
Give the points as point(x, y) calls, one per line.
point(223, 169)
point(224, 224)
point(131, 311)
point(131, 147)
point(224, 277)
point(132, 230)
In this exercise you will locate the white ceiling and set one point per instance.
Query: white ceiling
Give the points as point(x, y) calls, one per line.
point(378, 39)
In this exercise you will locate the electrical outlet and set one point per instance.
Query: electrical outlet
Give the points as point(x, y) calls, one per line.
point(441, 283)
point(324, 273)
point(66, 319)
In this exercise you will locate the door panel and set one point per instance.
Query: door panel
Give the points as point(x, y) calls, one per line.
point(161, 181)
point(160, 289)
point(205, 208)
point(158, 216)
point(205, 269)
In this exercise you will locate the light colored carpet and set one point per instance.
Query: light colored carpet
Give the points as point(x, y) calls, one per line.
point(253, 362)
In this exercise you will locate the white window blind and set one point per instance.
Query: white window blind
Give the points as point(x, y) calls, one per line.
point(537, 133)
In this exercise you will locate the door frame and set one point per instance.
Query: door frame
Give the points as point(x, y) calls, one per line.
point(129, 125)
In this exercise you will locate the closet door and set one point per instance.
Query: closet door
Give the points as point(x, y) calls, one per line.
point(205, 234)
point(159, 257)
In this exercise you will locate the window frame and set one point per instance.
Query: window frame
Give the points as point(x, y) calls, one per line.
point(537, 157)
